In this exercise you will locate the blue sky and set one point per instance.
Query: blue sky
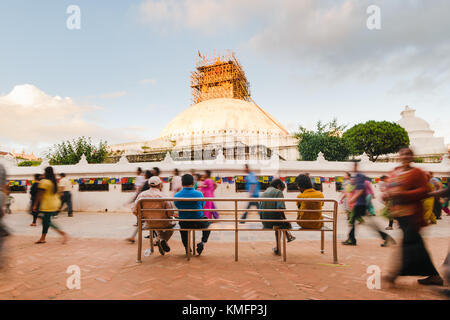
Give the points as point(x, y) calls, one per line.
point(126, 71)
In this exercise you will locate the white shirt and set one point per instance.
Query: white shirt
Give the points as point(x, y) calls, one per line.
point(176, 184)
point(64, 184)
point(140, 181)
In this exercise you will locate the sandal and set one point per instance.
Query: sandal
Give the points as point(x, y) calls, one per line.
point(39, 242)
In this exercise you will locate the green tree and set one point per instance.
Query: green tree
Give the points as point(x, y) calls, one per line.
point(376, 138)
point(70, 152)
point(327, 138)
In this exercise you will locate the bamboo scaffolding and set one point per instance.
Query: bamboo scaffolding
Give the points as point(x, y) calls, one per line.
point(219, 77)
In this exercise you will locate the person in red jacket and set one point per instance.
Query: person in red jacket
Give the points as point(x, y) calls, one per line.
point(405, 189)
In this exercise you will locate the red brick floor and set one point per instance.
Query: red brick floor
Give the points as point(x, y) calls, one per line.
point(109, 271)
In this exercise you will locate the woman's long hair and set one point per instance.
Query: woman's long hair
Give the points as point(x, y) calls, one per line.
point(51, 176)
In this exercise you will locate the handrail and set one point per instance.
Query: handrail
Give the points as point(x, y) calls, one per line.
point(236, 229)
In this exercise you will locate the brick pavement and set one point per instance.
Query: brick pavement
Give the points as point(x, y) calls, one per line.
point(109, 271)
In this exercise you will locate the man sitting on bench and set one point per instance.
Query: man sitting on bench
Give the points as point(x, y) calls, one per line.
point(163, 237)
point(275, 191)
point(188, 191)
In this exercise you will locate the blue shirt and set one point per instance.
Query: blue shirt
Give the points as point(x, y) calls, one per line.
point(360, 185)
point(252, 181)
point(189, 193)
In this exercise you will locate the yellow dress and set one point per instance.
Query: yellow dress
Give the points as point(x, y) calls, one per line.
point(313, 205)
point(428, 204)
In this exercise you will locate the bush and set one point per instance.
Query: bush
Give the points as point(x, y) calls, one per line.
point(70, 152)
point(29, 163)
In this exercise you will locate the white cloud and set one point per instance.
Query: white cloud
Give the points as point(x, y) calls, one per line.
point(113, 95)
point(330, 37)
point(205, 16)
point(34, 120)
point(148, 81)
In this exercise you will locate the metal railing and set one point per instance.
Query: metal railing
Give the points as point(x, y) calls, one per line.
point(236, 220)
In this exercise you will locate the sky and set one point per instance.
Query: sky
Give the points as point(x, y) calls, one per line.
point(124, 74)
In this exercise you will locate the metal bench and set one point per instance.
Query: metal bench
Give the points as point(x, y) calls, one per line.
point(235, 226)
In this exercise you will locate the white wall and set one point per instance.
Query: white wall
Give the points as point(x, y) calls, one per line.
point(116, 200)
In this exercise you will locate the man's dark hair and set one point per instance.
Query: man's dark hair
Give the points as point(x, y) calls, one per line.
point(383, 178)
point(187, 180)
point(139, 169)
point(277, 183)
point(62, 175)
point(148, 174)
point(157, 171)
point(176, 171)
point(303, 181)
point(37, 176)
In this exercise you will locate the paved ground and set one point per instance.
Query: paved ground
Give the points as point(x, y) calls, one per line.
point(109, 271)
point(120, 226)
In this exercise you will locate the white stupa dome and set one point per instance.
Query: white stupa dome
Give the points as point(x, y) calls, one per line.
point(223, 116)
point(421, 137)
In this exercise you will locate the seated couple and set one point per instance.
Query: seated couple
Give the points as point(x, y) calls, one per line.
point(188, 191)
point(275, 190)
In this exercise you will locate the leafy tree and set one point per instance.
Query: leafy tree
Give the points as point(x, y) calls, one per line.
point(376, 138)
point(70, 152)
point(327, 138)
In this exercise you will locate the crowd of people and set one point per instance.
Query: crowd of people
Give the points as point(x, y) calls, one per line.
point(412, 198)
point(203, 186)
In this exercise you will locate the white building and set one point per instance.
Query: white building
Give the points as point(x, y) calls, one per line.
point(116, 197)
point(422, 139)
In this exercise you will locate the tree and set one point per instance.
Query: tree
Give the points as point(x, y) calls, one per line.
point(376, 138)
point(70, 152)
point(326, 139)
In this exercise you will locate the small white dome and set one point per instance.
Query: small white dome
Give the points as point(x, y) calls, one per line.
point(412, 123)
point(421, 137)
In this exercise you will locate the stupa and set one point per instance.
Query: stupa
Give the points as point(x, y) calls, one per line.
point(422, 139)
point(223, 116)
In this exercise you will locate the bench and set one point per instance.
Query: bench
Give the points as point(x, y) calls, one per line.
point(234, 225)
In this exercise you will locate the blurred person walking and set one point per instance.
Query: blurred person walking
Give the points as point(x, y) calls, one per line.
point(445, 193)
point(437, 205)
point(3, 230)
point(175, 184)
point(138, 185)
point(359, 210)
point(148, 174)
point(252, 187)
point(370, 195)
point(33, 196)
point(385, 211)
point(207, 186)
point(48, 203)
point(66, 196)
point(407, 187)
point(347, 189)
point(428, 203)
